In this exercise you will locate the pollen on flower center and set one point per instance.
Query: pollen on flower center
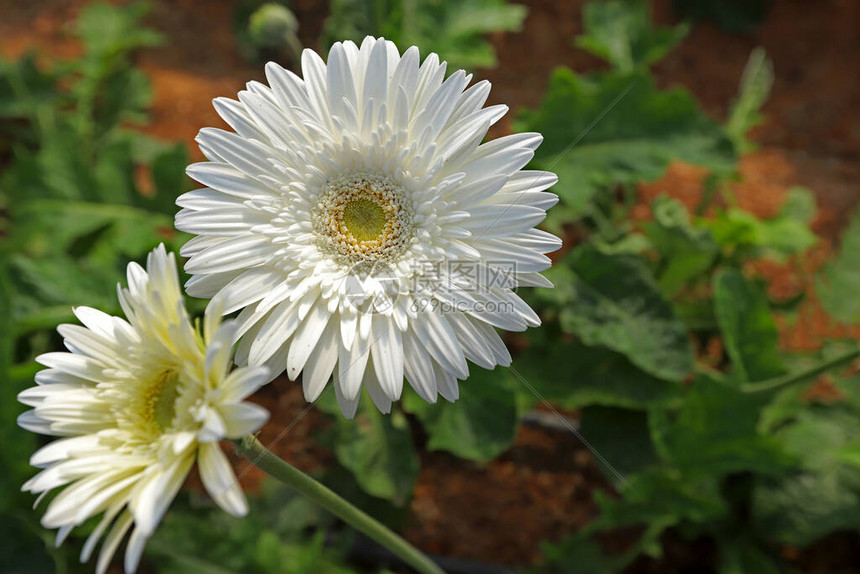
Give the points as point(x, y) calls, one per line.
point(363, 218)
point(159, 402)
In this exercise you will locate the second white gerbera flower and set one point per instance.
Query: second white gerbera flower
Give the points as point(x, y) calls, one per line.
point(362, 226)
point(137, 403)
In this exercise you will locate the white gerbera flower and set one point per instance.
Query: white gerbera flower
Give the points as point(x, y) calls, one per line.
point(363, 228)
point(138, 401)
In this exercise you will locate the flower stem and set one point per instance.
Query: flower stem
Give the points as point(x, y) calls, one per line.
point(802, 376)
point(264, 459)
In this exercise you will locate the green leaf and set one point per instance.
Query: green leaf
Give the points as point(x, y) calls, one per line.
point(630, 243)
point(850, 455)
point(378, 450)
point(454, 30)
point(613, 301)
point(57, 170)
point(824, 495)
point(74, 253)
point(749, 332)
point(754, 90)
point(799, 205)
point(716, 432)
point(733, 16)
point(167, 173)
point(272, 540)
point(622, 131)
point(576, 554)
point(109, 31)
point(659, 499)
point(743, 556)
point(744, 236)
point(620, 32)
point(573, 375)
point(686, 252)
point(26, 91)
point(481, 424)
point(662, 495)
point(621, 436)
point(788, 402)
point(114, 173)
point(838, 281)
point(122, 96)
point(697, 314)
point(5, 318)
point(16, 444)
point(53, 226)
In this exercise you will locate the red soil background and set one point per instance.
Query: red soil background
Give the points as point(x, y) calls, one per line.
point(541, 489)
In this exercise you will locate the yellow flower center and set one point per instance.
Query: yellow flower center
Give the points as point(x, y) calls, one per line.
point(364, 219)
point(160, 401)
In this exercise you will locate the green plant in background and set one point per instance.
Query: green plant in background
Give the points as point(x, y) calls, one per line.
point(454, 30)
point(84, 193)
point(756, 82)
point(717, 448)
point(611, 130)
point(620, 32)
point(272, 540)
point(265, 31)
point(839, 281)
point(735, 16)
point(81, 193)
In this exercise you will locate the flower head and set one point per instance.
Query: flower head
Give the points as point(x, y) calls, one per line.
point(363, 228)
point(137, 402)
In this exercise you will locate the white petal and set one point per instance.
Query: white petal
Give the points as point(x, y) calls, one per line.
point(155, 494)
point(448, 385)
point(435, 334)
point(387, 353)
point(347, 406)
point(273, 332)
point(241, 383)
point(112, 541)
point(243, 418)
point(321, 362)
point(418, 367)
point(213, 429)
point(351, 365)
point(220, 480)
point(377, 395)
point(306, 338)
point(134, 550)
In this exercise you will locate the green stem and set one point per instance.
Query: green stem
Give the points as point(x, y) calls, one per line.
point(264, 459)
point(803, 376)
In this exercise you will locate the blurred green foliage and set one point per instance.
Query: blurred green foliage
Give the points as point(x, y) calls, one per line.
point(618, 129)
point(620, 32)
point(84, 192)
point(267, 31)
point(727, 447)
point(276, 538)
point(839, 282)
point(735, 16)
point(454, 30)
point(756, 83)
point(73, 214)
